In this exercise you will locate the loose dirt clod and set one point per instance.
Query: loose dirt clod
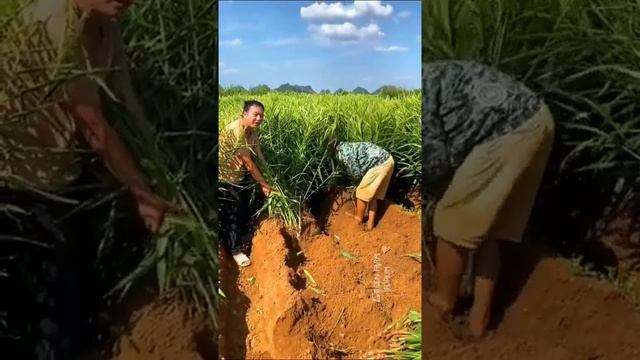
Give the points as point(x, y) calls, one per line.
point(164, 330)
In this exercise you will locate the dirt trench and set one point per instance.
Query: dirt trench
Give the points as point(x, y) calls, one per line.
point(328, 293)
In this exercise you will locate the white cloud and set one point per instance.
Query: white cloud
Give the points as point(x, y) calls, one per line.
point(234, 42)
point(230, 71)
point(346, 33)
point(367, 78)
point(337, 11)
point(392, 48)
point(401, 15)
point(282, 42)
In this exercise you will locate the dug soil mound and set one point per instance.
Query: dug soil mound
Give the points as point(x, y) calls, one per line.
point(545, 311)
point(165, 330)
point(323, 294)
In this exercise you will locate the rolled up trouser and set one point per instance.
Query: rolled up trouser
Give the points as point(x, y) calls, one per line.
point(375, 182)
point(493, 192)
point(234, 215)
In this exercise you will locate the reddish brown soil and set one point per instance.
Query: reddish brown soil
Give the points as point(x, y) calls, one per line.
point(546, 312)
point(275, 311)
point(165, 330)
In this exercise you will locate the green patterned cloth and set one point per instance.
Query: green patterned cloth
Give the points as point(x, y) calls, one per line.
point(466, 104)
point(359, 157)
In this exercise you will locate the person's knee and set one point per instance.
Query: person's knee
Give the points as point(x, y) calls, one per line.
point(460, 245)
point(487, 259)
point(373, 205)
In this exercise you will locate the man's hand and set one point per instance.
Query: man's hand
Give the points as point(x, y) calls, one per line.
point(150, 207)
point(266, 189)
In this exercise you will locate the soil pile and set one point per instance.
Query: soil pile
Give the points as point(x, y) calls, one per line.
point(165, 330)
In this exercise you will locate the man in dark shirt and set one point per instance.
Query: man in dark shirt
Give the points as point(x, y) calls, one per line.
point(486, 142)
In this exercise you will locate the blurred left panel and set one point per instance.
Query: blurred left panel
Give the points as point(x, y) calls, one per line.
point(108, 240)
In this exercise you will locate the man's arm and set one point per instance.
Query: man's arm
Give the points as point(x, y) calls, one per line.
point(85, 107)
point(255, 172)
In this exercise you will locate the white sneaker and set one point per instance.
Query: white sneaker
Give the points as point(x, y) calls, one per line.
point(242, 260)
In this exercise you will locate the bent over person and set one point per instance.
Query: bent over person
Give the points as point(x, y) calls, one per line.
point(370, 165)
point(487, 139)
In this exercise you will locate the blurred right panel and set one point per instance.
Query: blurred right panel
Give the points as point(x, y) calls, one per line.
point(530, 162)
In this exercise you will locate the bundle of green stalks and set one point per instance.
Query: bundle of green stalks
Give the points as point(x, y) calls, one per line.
point(281, 203)
point(407, 344)
point(405, 338)
point(297, 130)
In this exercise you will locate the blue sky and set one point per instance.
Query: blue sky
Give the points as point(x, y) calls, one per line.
point(327, 45)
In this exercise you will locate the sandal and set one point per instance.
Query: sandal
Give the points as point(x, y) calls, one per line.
point(242, 260)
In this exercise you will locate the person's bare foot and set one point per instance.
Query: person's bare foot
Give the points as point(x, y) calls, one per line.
point(358, 219)
point(370, 225)
point(443, 311)
point(478, 323)
point(458, 326)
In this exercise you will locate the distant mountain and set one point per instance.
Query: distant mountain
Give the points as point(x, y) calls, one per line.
point(260, 89)
point(391, 91)
point(385, 91)
point(386, 88)
point(234, 90)
point(295, 88)
point(360, 90)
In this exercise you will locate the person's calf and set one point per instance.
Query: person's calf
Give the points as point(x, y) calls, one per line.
point(487, 265)
point(479, 322)
point(360, 208)
point(373, 206)
point(450, 264)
